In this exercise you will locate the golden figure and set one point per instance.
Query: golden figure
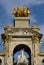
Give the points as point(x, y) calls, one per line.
point(28, 12)
point(21, 12)
point(25, 11)
point(14, 12)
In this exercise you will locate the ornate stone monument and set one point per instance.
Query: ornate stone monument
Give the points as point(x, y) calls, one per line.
point(21, 36)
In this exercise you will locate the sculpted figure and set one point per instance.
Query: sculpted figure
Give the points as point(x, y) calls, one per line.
point(22, 58)
point(26, 12)
point(21, 12)
point(14, 12)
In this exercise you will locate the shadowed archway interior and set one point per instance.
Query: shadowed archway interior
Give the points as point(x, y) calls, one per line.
point(43, 62)
point(0, 62)
point(26, 49)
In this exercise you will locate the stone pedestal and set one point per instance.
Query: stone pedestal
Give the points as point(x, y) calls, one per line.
point(21, 22)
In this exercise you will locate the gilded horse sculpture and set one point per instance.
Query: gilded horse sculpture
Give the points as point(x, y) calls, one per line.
point(21, 12)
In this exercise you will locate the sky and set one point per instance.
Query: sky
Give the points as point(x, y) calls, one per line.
point(36, 17)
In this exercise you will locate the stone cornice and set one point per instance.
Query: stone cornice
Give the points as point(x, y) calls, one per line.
point(41, 54)
point(23, 31)
point(2, 54)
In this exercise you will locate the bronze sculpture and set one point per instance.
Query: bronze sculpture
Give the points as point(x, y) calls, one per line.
point(21, 12)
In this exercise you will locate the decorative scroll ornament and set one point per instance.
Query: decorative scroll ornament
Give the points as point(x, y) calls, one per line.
point(9, 38)
point(34, 37)
point(21, 12)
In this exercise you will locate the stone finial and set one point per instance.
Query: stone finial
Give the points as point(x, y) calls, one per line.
point(8, 27)
point(35, 28)
point(21, 12)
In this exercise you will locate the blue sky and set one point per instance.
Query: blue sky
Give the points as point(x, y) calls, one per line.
point(36, 18)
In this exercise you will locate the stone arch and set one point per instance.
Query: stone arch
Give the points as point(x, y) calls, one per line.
point(26, 49)
point(0, 62)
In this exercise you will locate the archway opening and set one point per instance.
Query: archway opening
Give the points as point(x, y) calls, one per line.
point(43, 62)
point(0, 62)
point(17, 52)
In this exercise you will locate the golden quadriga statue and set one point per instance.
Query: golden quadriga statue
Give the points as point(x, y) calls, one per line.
point(21, 12)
